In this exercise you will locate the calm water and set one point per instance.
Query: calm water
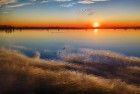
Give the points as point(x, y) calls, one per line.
point(49, 42)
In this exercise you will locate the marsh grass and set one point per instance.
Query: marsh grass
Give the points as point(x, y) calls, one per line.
point(23, 75)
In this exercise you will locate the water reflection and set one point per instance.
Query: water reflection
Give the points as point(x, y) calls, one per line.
point(7, 30)
point(28, 41)
point(95, 30)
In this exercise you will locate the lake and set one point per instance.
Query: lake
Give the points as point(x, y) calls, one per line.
point(48, 43)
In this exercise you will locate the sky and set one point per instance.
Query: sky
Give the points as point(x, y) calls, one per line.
point(70, 12)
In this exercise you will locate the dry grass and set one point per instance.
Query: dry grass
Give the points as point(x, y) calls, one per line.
point(22, 75)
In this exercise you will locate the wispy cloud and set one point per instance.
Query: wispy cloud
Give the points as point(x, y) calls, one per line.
point(86, 2)
point(68, 5)
point(73, 3)
point(5, 2)
point(33, 0)
point(14, 3)
point(62, 3)
point(44, 1)
point(63, 0)
point(18, 5)
point(89, 1)
point(86, 11)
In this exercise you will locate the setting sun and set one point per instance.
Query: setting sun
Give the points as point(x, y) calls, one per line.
point(96, 24)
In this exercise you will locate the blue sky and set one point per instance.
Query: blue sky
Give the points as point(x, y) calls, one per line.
point(81, 10)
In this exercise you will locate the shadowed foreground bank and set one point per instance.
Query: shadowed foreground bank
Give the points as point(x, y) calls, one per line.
point(23, 75)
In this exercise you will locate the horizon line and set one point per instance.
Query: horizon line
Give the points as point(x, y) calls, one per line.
point(65, 27)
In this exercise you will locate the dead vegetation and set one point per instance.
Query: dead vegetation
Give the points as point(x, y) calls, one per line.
point(23, 75)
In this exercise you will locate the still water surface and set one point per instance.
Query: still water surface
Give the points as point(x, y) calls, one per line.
point(49, 42)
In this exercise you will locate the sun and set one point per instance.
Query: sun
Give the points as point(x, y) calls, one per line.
point(96, 24)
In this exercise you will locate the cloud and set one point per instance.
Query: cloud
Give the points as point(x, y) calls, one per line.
point(63, 0)
point(86, 2)
point(62, 3)
point(14, 3)
point(99, 0)
point(18, 5)
point(68, 5)
point(89, 1)
point(44, 1)
point(4, 2)
point(86, 11)
point(33, 0)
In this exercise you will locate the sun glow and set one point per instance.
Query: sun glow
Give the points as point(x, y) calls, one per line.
point(96, 24)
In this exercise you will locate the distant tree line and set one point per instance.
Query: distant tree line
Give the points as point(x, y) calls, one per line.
point(12, 28)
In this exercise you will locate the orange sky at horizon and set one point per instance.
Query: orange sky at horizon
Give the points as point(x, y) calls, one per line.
point(70, 13)
point(72, 24)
